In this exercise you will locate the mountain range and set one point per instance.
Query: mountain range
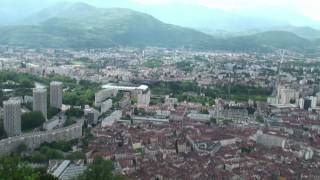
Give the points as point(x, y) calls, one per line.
point(81, 25)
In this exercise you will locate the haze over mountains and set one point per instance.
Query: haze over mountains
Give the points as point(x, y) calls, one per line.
point(79, 25)
point(228, 23)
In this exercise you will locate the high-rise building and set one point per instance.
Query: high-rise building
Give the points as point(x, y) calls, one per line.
point(270, 140)
point(313, 102)
point(91, 115)
point(144, 99)
point(40, 101)
point(12, 117)
point(106, 105)
point(301, 103)
point(56, 94)
point(307, 104)
point(110, 120)
point(286, 95)
point(318, 98)
point(104, 94)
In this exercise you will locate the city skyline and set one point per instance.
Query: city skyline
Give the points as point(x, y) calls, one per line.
point(159, 89)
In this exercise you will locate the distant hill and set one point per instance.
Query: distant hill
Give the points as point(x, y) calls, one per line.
point(59, 10)
point(83, 26)
point(303, 31)
point(280, 39)
point(317, 42)
point(269, 40)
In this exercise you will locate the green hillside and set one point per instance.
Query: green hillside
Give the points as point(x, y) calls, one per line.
point(83, 26)
point(304, 31)
point(101, 28)
point(281, 39)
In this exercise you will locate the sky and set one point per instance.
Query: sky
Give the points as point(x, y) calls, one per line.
point(308, 8)
point(297, 12)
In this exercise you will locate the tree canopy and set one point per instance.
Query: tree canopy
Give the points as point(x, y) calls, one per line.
point(52, 111)
point(74, 112)
point(100, 169)
point(31, 120)
point(11, 168)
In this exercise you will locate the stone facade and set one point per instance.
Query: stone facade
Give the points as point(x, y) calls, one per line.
point(56, 93)
point(12, 117)
point(40, 101)
point(34, 140)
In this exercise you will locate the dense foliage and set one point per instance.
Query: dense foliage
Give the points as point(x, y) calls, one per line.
point(79, 97)
point(237, 92)
point(21, 82)
point(100, 169)
point(54, 150)
point(72, 115)
point(64, 146)
point(74, 112)
point(78, 94)
point(2, 132)
point(52, 111)
point(31, 120)
point(153, 63)
point(12, 168)
point(184, 66)
point(15, 80)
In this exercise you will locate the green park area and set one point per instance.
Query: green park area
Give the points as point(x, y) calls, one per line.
point(191, 92)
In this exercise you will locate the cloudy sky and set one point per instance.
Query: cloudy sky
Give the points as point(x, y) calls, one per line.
point(292, 11)
point(309, 8)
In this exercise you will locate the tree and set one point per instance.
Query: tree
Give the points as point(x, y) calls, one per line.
point(64, 146)
point(46, 176)
point(76, 156)
point(51, 153)
point(213, 120)
point(251, 110)
point(21, 148)
point(52, 111)
point(204, 111)
point(79, 96)
point(2, 131)
point(31, 120)
point(100, 169)
point(37, 157)
point(11, 168)
point(69, 121)
point(246, 149)
point(259, 119)
point(184, 66)
point(26, 83)
point(1, 98)
point(74, 112)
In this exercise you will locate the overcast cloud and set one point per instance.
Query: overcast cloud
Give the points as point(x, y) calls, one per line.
point(293, 11)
